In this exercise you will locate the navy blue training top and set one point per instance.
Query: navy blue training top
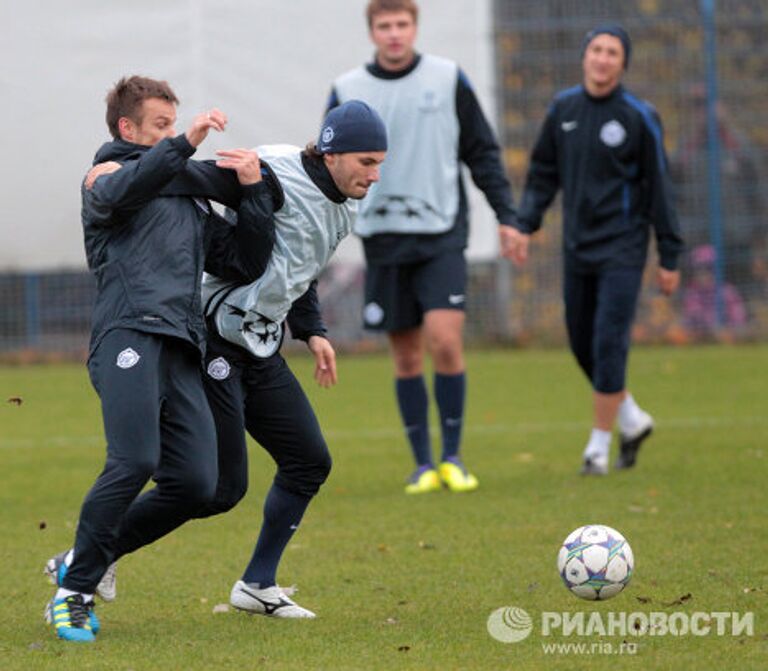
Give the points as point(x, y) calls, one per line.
point(607, 155)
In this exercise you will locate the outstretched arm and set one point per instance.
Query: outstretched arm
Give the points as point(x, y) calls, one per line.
point(240, 252)
point(107, 190)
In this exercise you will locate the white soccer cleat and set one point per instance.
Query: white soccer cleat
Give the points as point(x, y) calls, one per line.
point(632, 438)
point(56, 568)
point(107, 587)
point(642, 426)
point(594, 465)
point(271, 601)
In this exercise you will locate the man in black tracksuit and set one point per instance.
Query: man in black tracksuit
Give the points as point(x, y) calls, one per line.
point(604, 148)
point(146, 242)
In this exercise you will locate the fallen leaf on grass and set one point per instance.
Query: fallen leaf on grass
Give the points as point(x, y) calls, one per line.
point(644, 599)
point(221, 608)
point(426, 546)
point(404, 648)
point(680, 601)
point(383, 548)
point(16, 400)
point(391, 620)
point(41, 525)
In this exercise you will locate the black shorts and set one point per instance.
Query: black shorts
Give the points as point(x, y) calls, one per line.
point(396, 297)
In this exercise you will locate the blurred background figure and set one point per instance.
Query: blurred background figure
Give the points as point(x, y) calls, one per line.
point(743, 203)
point(700, 298)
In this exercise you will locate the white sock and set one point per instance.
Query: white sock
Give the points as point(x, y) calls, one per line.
point(63, 593)
point(630, 414)
point(599, 444)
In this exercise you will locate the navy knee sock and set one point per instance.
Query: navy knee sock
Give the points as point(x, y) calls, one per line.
point(413, 402)
point(283, 511)
point(449, 394)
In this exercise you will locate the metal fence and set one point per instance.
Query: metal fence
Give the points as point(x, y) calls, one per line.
point(717, 142)
point(711, 95)
point(47, 315)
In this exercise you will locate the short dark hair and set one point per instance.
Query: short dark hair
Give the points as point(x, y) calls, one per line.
point(126, 97)
point(381, 6)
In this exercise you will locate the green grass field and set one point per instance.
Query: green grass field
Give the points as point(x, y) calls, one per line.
point(409, 583)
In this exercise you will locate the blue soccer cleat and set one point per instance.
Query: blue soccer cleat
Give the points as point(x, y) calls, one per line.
point(71, 617)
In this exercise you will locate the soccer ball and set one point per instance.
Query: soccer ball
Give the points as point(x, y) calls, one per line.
point(595, 562)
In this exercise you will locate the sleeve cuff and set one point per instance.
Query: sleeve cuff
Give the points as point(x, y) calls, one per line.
point(181, 143)
point(257, 189)
point(668, 261)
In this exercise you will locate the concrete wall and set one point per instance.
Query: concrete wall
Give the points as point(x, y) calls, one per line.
point(268, 65)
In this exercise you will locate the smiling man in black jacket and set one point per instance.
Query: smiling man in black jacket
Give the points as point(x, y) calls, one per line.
point(604, 148)
point(146, 240)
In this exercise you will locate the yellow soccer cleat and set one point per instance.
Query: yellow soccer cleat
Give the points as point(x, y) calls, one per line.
point(424, 479)
point(456, 477)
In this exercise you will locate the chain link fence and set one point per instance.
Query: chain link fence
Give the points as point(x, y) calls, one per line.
point(725, 270)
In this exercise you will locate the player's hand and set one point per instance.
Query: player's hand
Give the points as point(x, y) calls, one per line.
point(668, 280)
point(203, 122)
point(325, 361)
point(514, 244)
point(106, 168)
point(245, 162)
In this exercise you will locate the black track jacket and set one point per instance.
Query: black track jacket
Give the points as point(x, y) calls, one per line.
point(146, 239)
point(608, 156)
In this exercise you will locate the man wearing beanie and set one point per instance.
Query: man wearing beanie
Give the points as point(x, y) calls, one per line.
point(308, 205)
point(604, 148)
point(414, 227)
point(313, 205)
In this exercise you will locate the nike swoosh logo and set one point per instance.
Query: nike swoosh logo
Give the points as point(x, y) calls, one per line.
point(269, 606)
point(568, 126)
point(455, 299)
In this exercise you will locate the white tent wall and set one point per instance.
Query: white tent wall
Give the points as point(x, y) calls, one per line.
point(268, 65)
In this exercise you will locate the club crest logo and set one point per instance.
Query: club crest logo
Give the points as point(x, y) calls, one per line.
point(128, 358)
point(327, 134)
point(429, 101)
point(612, 133)
point(219, 368)
point(373, 314)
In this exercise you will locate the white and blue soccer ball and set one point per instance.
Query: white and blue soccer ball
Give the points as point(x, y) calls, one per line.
point(595, 562)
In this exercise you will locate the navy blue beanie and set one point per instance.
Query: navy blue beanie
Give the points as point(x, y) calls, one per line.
point(609, 29)
point(352, 127)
